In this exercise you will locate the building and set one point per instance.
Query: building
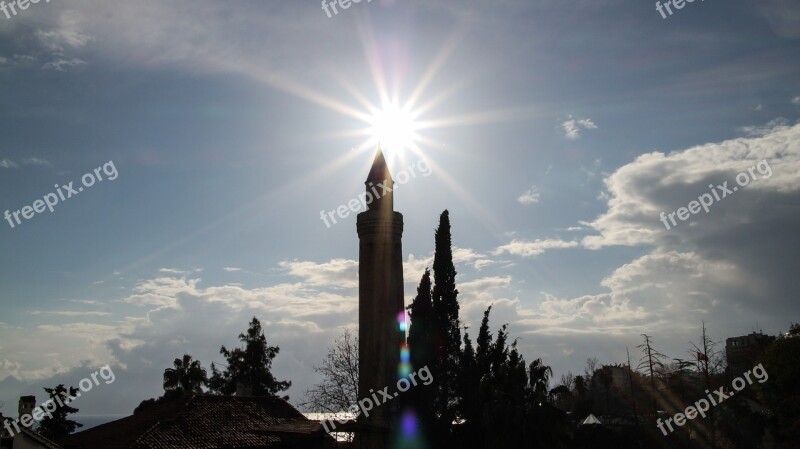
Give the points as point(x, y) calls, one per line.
point(13, 435)
point(380, 301)
point(25, 439)
point(742, 352)
point(210, 422)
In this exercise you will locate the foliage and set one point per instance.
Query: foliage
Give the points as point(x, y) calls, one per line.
point(187, 377)
point(781, 392)
point(57, 425)
point(249, 369)
point(447, 330)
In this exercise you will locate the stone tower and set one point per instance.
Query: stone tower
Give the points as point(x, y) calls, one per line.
point(380, 300)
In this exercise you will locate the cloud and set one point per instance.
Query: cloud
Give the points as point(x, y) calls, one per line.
point(762, 130)
point(656, 182)
point(528, 248)
point(467, 256)
point(61, 64)
point(339, 273)
point(68, 313)
point(728, 265)
point(35, 161)
point(796, 100)
point(7, 163)
point(572, 127)
point(171, 271)
point(530, 196)
point(66, 34)
point(232, 269)
point(782, 16)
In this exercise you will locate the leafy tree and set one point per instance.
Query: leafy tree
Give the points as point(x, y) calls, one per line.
point(605, 378)
point(781, 391)
point(540, 375)
point(580, 386)
point(249, 367)
point(57, 425)
point(188, 377)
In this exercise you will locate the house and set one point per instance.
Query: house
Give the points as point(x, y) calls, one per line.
point(24, 439)
point(207, 422)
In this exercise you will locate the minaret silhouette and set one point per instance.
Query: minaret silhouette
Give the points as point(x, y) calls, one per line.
point(380, 301)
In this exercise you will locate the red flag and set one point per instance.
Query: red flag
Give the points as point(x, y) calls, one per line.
point(701, 357)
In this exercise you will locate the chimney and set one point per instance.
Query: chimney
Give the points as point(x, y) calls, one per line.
point(26, 406)
point(243, 389)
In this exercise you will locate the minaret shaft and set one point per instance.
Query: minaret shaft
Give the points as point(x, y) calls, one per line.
point(380, 302)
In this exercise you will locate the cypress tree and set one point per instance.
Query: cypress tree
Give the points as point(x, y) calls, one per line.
point(421, 347)
point(448, 329)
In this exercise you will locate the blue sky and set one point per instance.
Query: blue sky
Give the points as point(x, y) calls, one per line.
point(556, 133)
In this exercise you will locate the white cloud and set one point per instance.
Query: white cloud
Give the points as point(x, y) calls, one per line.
point(530, 196)
point(66, 34)
point(796, 100)
point(572, 127)
point(762, 130)
point(656, 182)
point(232, 269)
point(69, 313)
point(340, 273)
point(7, 163)
point(528, 248)
point(61, 64)
point(35, 161)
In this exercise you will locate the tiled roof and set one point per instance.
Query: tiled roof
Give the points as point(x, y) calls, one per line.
point(206, 422)
point(40, 439)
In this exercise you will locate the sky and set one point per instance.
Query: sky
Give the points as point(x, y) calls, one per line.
point(209, 136)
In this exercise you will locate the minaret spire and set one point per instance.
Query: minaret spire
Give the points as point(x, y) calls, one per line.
point(380, 184)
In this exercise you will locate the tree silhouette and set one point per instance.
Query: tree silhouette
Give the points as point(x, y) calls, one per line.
point(709, 363)
point(605, 378)
point(186, 378)
point(339, 387)
point(57, 425)
point(540, 379)
point(421, 342)
point(651, 361)
point(448, 329)
point(781, 392)
point(249, 370)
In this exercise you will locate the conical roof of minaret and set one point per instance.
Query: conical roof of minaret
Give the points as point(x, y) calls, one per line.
point(380, 170)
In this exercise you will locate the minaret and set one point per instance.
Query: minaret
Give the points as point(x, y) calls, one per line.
point(380, 300)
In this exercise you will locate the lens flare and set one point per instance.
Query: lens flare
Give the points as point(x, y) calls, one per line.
point(405, 354)
point(401, 320)
point(409, 424)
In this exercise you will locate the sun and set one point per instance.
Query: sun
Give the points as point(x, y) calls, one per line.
point(394, 128)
